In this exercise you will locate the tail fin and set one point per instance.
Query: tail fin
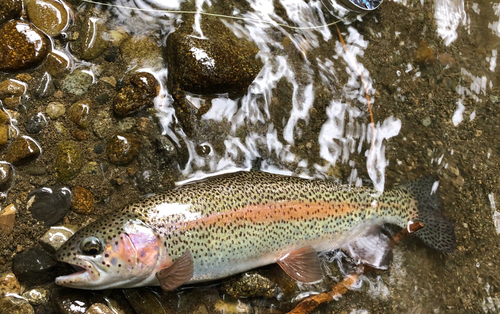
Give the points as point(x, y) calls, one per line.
point(438, 231)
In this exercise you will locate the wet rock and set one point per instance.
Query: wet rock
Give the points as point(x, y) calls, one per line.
point(102, 98)
point(22, 150)
point(4, 117)
point(12, 87)
point(12, 102)
point(99, 308)
point(36, 123)
point(37, 296)
point(46, 86)
point(111, 81)
point(56, 236)
point(83, 201)
point(70, 301)
point(68, 160)
point(36, 171)
point(48, 16)
point(13, 305)
point(34, 267)
point(144, 300)
point(77, 83)
point(446, 59)
point(141, 52)
point(49, 204)
point(4, 135)
point(122, 149)
point(222, 64)
point(22, 46)
point(250, 285)
point(126, 124)
point(57, 64)
point(10, 9)
point(79, 135)
point(6, 176)
point(93, 42)
point(102, 124)
point(9, 284)
point(424, 54)
point(79, 113)
point(231, 307)
point(136, 94)
point(55, 110)
point(7, 219)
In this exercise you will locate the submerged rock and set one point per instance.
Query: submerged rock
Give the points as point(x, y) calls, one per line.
point(36, 123)
point(83, 200)
point(55, 110)
point(77, 83)
point(7, 219)
point(79, 113)
point(93, 42)
point(12, 87)
point(57, 64)
point(6, 176)
point(56, 236)
point(10, 9)
point(122, 149)
point(141, 51)
point(22, 150)
point(49, 204)
point(138, 93)
point(70, 301)
point(15, 305)
point(68, 160)
point(21, 46)
point(9, 284)
point(49, 16)
point(34, 267)
point(250, 285)
point(222, 64)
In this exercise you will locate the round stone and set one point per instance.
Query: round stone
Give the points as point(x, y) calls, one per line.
point(12, 87)
point(83, 200)
point(21, 46)
point(11, 304)
point(10, 9)
point(68, 160)
point(93, 42)
point(36, 123)
point(55, 110)
point(136, 94)
point(34, 267)
point(57, 64)
point(9, 283)
point(22, 150)
point(77, 83)
point(49, 16)
point(49, 204)
point(7, 219)
point(6, 176)
point(79, 113)
point(57, 236)
point(122, 149)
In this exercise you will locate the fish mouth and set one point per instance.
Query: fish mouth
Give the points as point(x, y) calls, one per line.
point(85, 275)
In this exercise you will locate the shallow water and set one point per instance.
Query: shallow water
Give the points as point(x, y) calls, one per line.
point(307, 113)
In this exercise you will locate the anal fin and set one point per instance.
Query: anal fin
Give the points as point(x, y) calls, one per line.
point(178, 273)
point(302, 264)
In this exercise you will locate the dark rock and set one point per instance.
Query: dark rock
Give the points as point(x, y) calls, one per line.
point(49, 16)
point(6, 176)
point(83, 201)
point(99, 148)
point(70, 301)
point(145, 300)
point(15, 305)
point(36, 123)
point(46, 87)
point(21, 46)
point(49, 204)
point(250, 285)
point(222, 64)
point(122, 149)
point(102, 98)
point(68, 160)
point(22, 150)
point(79, 113)
point(10, 9)
point(136, 94)
point(93, 42)
point(34, 267)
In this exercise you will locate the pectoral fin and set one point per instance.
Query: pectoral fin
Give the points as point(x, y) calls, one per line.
point(178, 273)
point(302, 265)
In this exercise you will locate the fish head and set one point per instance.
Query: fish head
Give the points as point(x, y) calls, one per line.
point(116, 252)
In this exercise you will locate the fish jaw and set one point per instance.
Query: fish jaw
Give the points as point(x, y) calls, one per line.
point(80, 279)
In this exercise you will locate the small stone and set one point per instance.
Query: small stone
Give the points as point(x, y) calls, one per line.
point(57, 236)
point(10, 10)
point(446, 59)
point(57, 64)
point(79, 113)
point(55, 110)
point(14, 305)
point(93, 42)
point(6, 176)
point(136, 94)
point(9, 284)
point(7, 219)
point(22, 46)
point(36, 171)
point(144, 300)
point(424, 54)
point(122, 149)
point(126, 124)
point(12, 102)
point(68, 160)
point(426, 121)
point(109, 80)
point(49, 204)
point(99, 308)
point(141, 52)
point(36, 123)
point(12, 87)
point(102, 98)
point(4, 117)
point(47, 15)
point(102, 125)
point(77, 83)
point(92, 167)
point(22, 150)
point(70, 301)
point(46, 87)
point(25, 77)
point(34, 267)
point(250, 285)
point(79, 135)
point(83, 201)
point(37, 296)
point(4, 135)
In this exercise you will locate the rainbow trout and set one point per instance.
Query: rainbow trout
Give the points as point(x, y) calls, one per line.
point(232, 223)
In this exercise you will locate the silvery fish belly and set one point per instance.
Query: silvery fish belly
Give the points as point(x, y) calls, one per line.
point(232, 223)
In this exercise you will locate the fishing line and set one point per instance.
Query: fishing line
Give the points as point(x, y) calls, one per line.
point(214, 15)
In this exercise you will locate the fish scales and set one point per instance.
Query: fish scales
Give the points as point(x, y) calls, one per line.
point(240, 221)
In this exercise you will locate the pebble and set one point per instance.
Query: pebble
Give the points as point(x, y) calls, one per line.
point(68, 160)
point(4, 117)
point(36, 170)
point(103, 124)
point(22, 150)
point(57, 64)
point(34, 267)
point(446, 59)
point(6, 176)
point(126, 124)
point(12, 102)
point(250, 285)
point(99, 308)
point(91, 168)
point(55, 110)
point(144, 300)
point(136, 94)
point(426, 121)
point(4, 135)
point(12, 87)
point(424, 54)
point(7, 219)
point(36, 123)
point(14, 305)
point(46, 86)
point(141, 52)
point(122, 149)
point(49, 204)
point(22, 46)
point(93, 42)
point(79, 113)
point(222, 64)
point(10, 9)
point(77, 83)
point(83, 201)
point(37, 296)
point(55, 237)
point(9, 283)
point(49, 16)
point(109, 80)
point(70, 301)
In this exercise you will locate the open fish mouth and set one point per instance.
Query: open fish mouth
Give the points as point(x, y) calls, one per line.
point(85, 274)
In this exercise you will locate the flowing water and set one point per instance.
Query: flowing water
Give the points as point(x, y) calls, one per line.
point(426, 69)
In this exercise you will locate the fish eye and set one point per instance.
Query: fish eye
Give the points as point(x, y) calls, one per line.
point(91, 246)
